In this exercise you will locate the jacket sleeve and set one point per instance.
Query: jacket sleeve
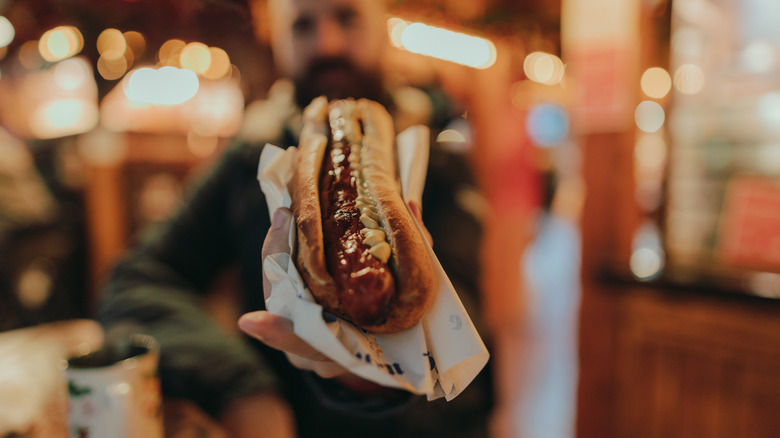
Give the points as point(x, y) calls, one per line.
point(158, 287)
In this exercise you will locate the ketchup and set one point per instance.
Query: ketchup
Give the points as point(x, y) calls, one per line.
point(365, 284)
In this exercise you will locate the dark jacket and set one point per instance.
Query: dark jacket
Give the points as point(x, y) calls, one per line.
point(158, 288)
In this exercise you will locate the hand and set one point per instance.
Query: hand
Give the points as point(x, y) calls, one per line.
point(276, 331)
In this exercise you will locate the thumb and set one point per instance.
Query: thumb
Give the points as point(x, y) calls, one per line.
point(276, 240)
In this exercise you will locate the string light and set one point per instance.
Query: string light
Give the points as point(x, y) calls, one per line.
point(166, 86)
point(441, 43)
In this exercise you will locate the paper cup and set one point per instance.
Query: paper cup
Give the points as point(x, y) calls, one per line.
point(115, 392)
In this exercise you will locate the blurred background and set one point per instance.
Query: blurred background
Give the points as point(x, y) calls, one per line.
point(627, 155)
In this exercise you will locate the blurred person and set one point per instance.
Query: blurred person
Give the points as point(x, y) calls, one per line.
point(247, 388)
point(41, 239)
point(25, 204)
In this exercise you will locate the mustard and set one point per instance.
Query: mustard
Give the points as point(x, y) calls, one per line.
point(344, 127)
point(381, 251)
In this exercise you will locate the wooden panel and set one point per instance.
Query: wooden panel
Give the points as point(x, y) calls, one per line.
point(697, 366)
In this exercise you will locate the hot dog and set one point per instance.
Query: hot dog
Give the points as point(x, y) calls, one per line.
point(357, 247)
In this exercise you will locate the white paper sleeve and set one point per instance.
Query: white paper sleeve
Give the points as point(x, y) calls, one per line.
point(438, 357)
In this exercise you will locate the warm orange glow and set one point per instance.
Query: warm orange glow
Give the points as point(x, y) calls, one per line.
point(216, 109)
point(136, 105)
point(73, 73)
point(650, 155)
point(29, 56)
point(201, 146)
point(61, 117)
point(101, 147)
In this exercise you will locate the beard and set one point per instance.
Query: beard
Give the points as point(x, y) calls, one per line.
point(338, 78)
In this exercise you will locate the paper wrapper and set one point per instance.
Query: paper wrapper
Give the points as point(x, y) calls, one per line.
point(438, 357)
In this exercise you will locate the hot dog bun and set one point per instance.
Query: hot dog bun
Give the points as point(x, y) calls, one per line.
point(409, 261)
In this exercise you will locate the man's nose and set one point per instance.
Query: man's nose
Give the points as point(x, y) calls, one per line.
point(331, 39)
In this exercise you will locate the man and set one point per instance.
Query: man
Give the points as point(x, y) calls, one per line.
point(331, 47)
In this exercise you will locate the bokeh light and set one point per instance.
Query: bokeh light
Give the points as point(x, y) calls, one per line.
point(111, 43)
point(195, 57)
point(62, 117)
point(136, 43)
point(649, 116)
point(112, 67)
point(656, 82)
point(647, 256)
point(115, 58)
point(166, 86)
point(60, 43)
point(7, 32)
point(759, 57)
point(442, 43)
point(768, 108)
point(647, 262)
point(547, 124)
point(170, 52)
point(450, 136)
point(395, 28)
point(220, 66)
point(689, 79)
point(543, 68)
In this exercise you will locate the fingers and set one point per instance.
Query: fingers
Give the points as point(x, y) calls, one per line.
point(277, 240)
point(277, 332)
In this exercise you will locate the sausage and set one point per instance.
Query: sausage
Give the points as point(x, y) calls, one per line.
point(357, 248)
